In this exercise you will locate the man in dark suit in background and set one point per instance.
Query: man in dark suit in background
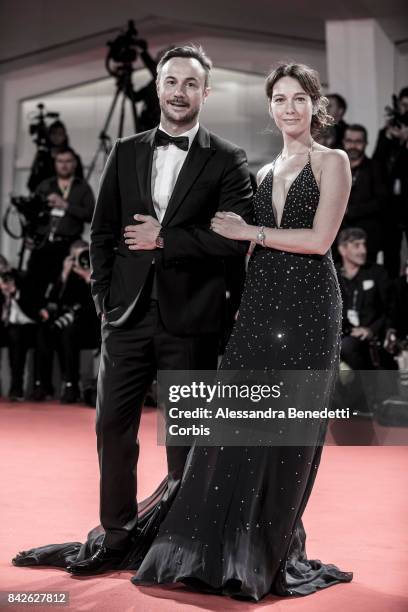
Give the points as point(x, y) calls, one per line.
point(367, 297)
point(158, 285)
point(368, 197)
point(391, 152)
point(71, 203)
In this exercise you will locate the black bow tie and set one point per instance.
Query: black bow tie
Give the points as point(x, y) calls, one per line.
point(162, 139)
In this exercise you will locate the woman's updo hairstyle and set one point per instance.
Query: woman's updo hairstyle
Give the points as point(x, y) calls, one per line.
point(310, 82)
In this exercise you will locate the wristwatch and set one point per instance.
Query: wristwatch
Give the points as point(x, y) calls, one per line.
point(160, 240)
point(260, 237)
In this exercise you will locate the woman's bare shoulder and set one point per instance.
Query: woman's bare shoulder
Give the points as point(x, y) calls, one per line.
point(329, 158)
point(262, 173)
point(329, 162)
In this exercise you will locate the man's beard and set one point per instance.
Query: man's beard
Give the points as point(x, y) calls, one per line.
point(355, 155)
point(186, 119)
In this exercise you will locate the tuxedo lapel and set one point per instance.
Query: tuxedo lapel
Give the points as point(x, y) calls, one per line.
point(198, 155)
point(144, 161)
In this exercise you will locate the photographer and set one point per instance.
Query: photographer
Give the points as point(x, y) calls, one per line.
point(54, 139)
point(71, 203)
point(392, 152)
point(397, 336)
point(18, 318)
point(149, 116)
point(69, 323)
point(366, 293)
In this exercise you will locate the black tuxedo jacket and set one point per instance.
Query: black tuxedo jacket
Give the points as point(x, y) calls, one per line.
point(189, 270)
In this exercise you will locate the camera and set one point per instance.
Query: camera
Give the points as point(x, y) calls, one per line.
point(32, 207)
point(38, 127)
point(82, 259)
point(67, 317)
point(122, 49)
point(61, 317)
point(36, 213)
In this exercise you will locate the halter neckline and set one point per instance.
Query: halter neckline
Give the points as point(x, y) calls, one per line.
point(310, 149)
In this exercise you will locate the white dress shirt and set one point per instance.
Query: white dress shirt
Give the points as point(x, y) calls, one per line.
point(16, 315)
point(167, 163)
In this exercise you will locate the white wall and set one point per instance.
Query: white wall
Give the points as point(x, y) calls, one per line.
point(361, 66)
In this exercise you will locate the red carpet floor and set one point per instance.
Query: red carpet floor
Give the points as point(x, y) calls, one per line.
point(356, 518)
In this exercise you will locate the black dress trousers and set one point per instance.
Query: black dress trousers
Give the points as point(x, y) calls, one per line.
point(130, 357)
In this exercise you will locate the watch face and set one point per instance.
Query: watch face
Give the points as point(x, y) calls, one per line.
point(261, 237)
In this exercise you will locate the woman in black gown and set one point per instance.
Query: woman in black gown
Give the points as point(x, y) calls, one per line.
point(235, 525)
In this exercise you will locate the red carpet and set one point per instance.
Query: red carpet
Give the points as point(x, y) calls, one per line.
point(356, 518)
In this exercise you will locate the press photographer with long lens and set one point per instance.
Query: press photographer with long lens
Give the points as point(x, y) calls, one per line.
point(70, 203)
point(68, 324)
point(392, 152)
point(49, 139)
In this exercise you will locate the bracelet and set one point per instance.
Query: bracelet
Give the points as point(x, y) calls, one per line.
point(260, 237)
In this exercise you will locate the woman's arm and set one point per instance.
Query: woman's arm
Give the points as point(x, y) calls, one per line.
point(335, 188)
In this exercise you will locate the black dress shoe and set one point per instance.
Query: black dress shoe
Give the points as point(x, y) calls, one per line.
point(103, 560)
point(70, 393)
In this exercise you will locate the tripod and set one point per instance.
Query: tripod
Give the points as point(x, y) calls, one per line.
point(124, 91)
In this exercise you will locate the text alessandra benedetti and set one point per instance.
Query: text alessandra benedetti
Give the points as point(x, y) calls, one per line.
point(268, 413)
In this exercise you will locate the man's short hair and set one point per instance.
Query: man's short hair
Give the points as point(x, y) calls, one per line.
point(63, 150)
point(192, 51)
point(351, 234)
point(357, 127)
point(9, 275)
point(403, 93)
point(56, 125)
point(79, 244)
point(339, 99)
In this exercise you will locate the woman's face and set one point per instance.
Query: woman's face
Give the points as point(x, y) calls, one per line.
point(291, 107)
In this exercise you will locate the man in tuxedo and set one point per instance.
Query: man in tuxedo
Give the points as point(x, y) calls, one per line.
point(158, 279)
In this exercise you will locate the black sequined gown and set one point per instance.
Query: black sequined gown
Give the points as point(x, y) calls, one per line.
point(235, 525)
